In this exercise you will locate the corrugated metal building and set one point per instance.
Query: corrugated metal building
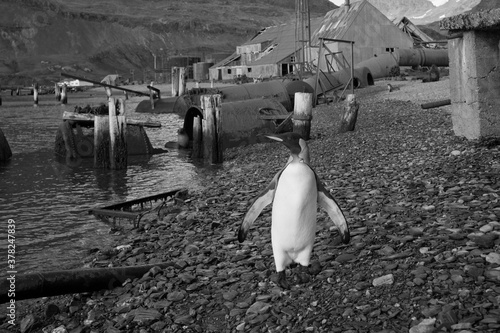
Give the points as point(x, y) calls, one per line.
point(271, 52)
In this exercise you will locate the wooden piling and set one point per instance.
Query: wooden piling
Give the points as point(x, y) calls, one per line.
point(64, 96)
point(348, 122)
point(35, 95)
point(101, 142)
point(117, 138)
point(57, 92)
point(182, 81)
point(212, 145)
point(5, 152)
point(69, 140)
point(175, 81)
point(197, 138)
point(302, 114)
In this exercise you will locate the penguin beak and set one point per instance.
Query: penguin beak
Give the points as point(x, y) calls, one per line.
point(273, 137)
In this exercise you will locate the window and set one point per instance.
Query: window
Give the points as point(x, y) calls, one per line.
point(249, 70)
point(229, 71)
point(389, 49)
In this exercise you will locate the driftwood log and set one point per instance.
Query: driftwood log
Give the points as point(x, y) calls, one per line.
point(435, 104)
point(55, 283)
point(348, 122)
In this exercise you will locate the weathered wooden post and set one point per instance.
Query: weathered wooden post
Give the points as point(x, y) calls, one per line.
point(122, 110)
point(64, 96)
point(101, 142)
point(108, 91)
point(69, 140)
point(212, 129)
point(35, 94)
point(57, 92)
point(197, 138)
point(350, 116)
point(182, 80)
point(302, 114)
point(5, 152)
point(125, 93)
point(175, 81)
point(117, 138)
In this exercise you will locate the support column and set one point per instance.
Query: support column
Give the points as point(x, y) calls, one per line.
point(475, 73)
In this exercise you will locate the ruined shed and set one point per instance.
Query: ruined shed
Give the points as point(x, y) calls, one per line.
point(372, 32)
point(271, 52)
point(407, 26)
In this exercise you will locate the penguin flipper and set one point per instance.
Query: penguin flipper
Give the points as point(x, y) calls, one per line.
point(264, 199)
point(326, 201)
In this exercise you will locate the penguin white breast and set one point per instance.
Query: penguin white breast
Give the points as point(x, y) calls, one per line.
point(294, 208)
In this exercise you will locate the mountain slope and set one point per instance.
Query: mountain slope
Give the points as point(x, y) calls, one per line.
point(423, 11)
point(38, 37)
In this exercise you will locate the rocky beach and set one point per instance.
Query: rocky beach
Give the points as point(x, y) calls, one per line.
point(423, 209)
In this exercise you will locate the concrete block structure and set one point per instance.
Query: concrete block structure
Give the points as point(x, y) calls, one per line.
point(474, 54)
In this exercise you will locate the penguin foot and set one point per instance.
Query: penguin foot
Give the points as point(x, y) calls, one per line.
point(282, 282)
point(303, 275)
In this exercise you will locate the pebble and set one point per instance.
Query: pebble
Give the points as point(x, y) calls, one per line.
point(425, 326)
point(258, 308)
point(383, 280)
point(345, 257)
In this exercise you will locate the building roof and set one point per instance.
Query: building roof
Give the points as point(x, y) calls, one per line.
point(280, 42)
point(407, 26)
point(337, 22)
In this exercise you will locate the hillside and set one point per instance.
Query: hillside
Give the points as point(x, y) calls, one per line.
point(39, 37)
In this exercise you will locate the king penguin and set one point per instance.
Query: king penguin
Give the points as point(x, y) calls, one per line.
point(295, 192)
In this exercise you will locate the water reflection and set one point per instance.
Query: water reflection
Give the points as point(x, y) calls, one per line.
point(49, 199)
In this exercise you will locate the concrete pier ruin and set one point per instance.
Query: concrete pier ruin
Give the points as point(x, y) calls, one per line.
point(474, 54)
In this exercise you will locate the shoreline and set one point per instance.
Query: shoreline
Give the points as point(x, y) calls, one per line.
point(422, 206)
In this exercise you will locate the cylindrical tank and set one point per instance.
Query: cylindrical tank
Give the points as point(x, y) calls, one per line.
point(242, 120)
point(423, 57)
point(275, 89)
point(297, 86)
point(200, 71)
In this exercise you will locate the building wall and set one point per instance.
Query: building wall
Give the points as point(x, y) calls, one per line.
point(373, 34)
point(231, 72)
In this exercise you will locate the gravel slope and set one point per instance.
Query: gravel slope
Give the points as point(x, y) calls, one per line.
point(423, 209)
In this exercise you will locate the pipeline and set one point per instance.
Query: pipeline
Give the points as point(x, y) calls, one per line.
point(380, 66)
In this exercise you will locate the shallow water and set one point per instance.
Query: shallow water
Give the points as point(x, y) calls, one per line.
point(49, 200)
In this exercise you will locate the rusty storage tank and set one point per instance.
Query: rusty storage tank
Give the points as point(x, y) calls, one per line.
point(274, 89)
point(200, 70)
point(243, 120)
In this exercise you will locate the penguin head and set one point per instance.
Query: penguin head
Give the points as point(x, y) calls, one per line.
point(294, 141)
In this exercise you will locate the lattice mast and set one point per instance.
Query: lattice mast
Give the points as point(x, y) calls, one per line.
point(302, 37)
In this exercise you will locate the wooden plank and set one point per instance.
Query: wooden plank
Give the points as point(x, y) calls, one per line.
point(114, 213)
point(88, 117)
point(274, 117)
point(104, 84)
point(130, 203)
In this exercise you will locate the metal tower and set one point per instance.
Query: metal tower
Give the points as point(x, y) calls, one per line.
point(302, 59)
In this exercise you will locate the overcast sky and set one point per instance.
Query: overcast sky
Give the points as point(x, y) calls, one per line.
point(435, 2)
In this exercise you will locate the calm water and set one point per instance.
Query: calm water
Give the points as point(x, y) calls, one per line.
point(50, 200)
